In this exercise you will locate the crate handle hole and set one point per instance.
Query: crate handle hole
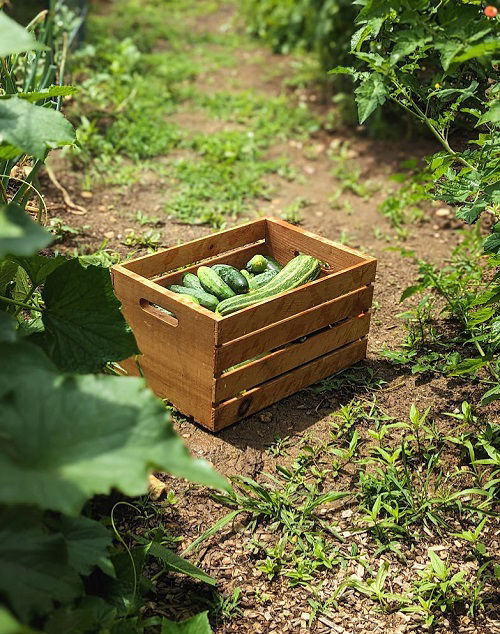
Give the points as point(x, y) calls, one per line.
point(158, 311)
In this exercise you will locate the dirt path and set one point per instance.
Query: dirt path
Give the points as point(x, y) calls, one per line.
point(271, 607)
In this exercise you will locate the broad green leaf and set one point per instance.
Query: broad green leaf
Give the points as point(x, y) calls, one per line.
point(407, 42)
point(14, 38)
point(38, 267)
point(87, 542)
point(470, 213)
point(34, 129)
point(9, 625)
point(7, 330)
point(175, 563)
point(83, 321)
point(198, 624)
point(448, 49)
point(92, 615)
point(51, 91)
point(492, 115)
point(67, 438)
point(370, 94)
point(438, 565)
point(491, 395)
point(34, 564)
point(410, 291)
point(19, 235)
point(492, 242)
point(479, 50)
point(8, 151)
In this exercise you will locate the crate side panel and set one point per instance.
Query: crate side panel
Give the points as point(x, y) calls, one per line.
point(239, 350)
point(259, 397)
point(286, 241)
point(295, 301)
point(195, 250)
point(178, 360)
point(292, 356)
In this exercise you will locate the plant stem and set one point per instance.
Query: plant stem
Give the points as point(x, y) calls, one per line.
point(29, 294)
point(14, 302)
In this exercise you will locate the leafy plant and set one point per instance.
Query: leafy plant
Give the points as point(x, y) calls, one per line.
point(465, 292)
point(62, 428)
point(436, 61)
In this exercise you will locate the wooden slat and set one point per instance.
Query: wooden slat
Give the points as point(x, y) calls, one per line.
point(195, 250)
point(177, 361)
point(286, 241)
point(290, 357)
point(237, 258)
point(293, 302)
point(238, 350)
point(287, 384)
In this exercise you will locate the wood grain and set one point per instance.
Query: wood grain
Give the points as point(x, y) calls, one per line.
point(286, 241)
point(303, 323)
point(196, 250)
point(259, 397)
point(295, 301)
point(177, 361)
point(292, 356)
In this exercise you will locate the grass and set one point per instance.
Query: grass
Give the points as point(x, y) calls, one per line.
point(377, 486)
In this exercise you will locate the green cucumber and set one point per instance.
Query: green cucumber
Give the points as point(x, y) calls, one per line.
point(262, 279)
point(233, 278)
point(191, 281)
point(272, 264)
point(203, 298)
point(258, 264)
point(214, 284)
point(302, 269)
point(247, 275)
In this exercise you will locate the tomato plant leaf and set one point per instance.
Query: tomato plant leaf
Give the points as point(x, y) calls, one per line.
point(83, 321)
point(9, 625)
point(34, 563)
point(105, 432)
point(370, 94)
point(492, 242)
point(198, 624)
point(8, 271)
point(19, 235)
point(14, 38)
point(32, 128)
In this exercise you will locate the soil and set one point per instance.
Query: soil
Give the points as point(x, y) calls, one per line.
point(271, 607)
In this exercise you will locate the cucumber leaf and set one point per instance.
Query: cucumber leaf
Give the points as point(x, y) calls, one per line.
point(19, 235)
point(104, 432)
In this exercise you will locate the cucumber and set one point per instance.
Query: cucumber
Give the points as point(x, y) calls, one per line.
point(247, 275)
point(191, 281)
point(214, 284)
point(261, 279)
point(258, 264)
point(272, 264)
point(233, 278)
point(298, 271)
point(203, 298)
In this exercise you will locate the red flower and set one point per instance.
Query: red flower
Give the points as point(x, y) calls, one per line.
point(490, 11)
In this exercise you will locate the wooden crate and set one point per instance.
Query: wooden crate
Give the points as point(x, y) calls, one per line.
point(186, 358)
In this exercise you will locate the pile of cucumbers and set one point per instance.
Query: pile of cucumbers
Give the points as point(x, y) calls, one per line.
point(225, 289)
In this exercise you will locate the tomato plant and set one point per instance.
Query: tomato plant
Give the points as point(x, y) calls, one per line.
point(437, 61)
